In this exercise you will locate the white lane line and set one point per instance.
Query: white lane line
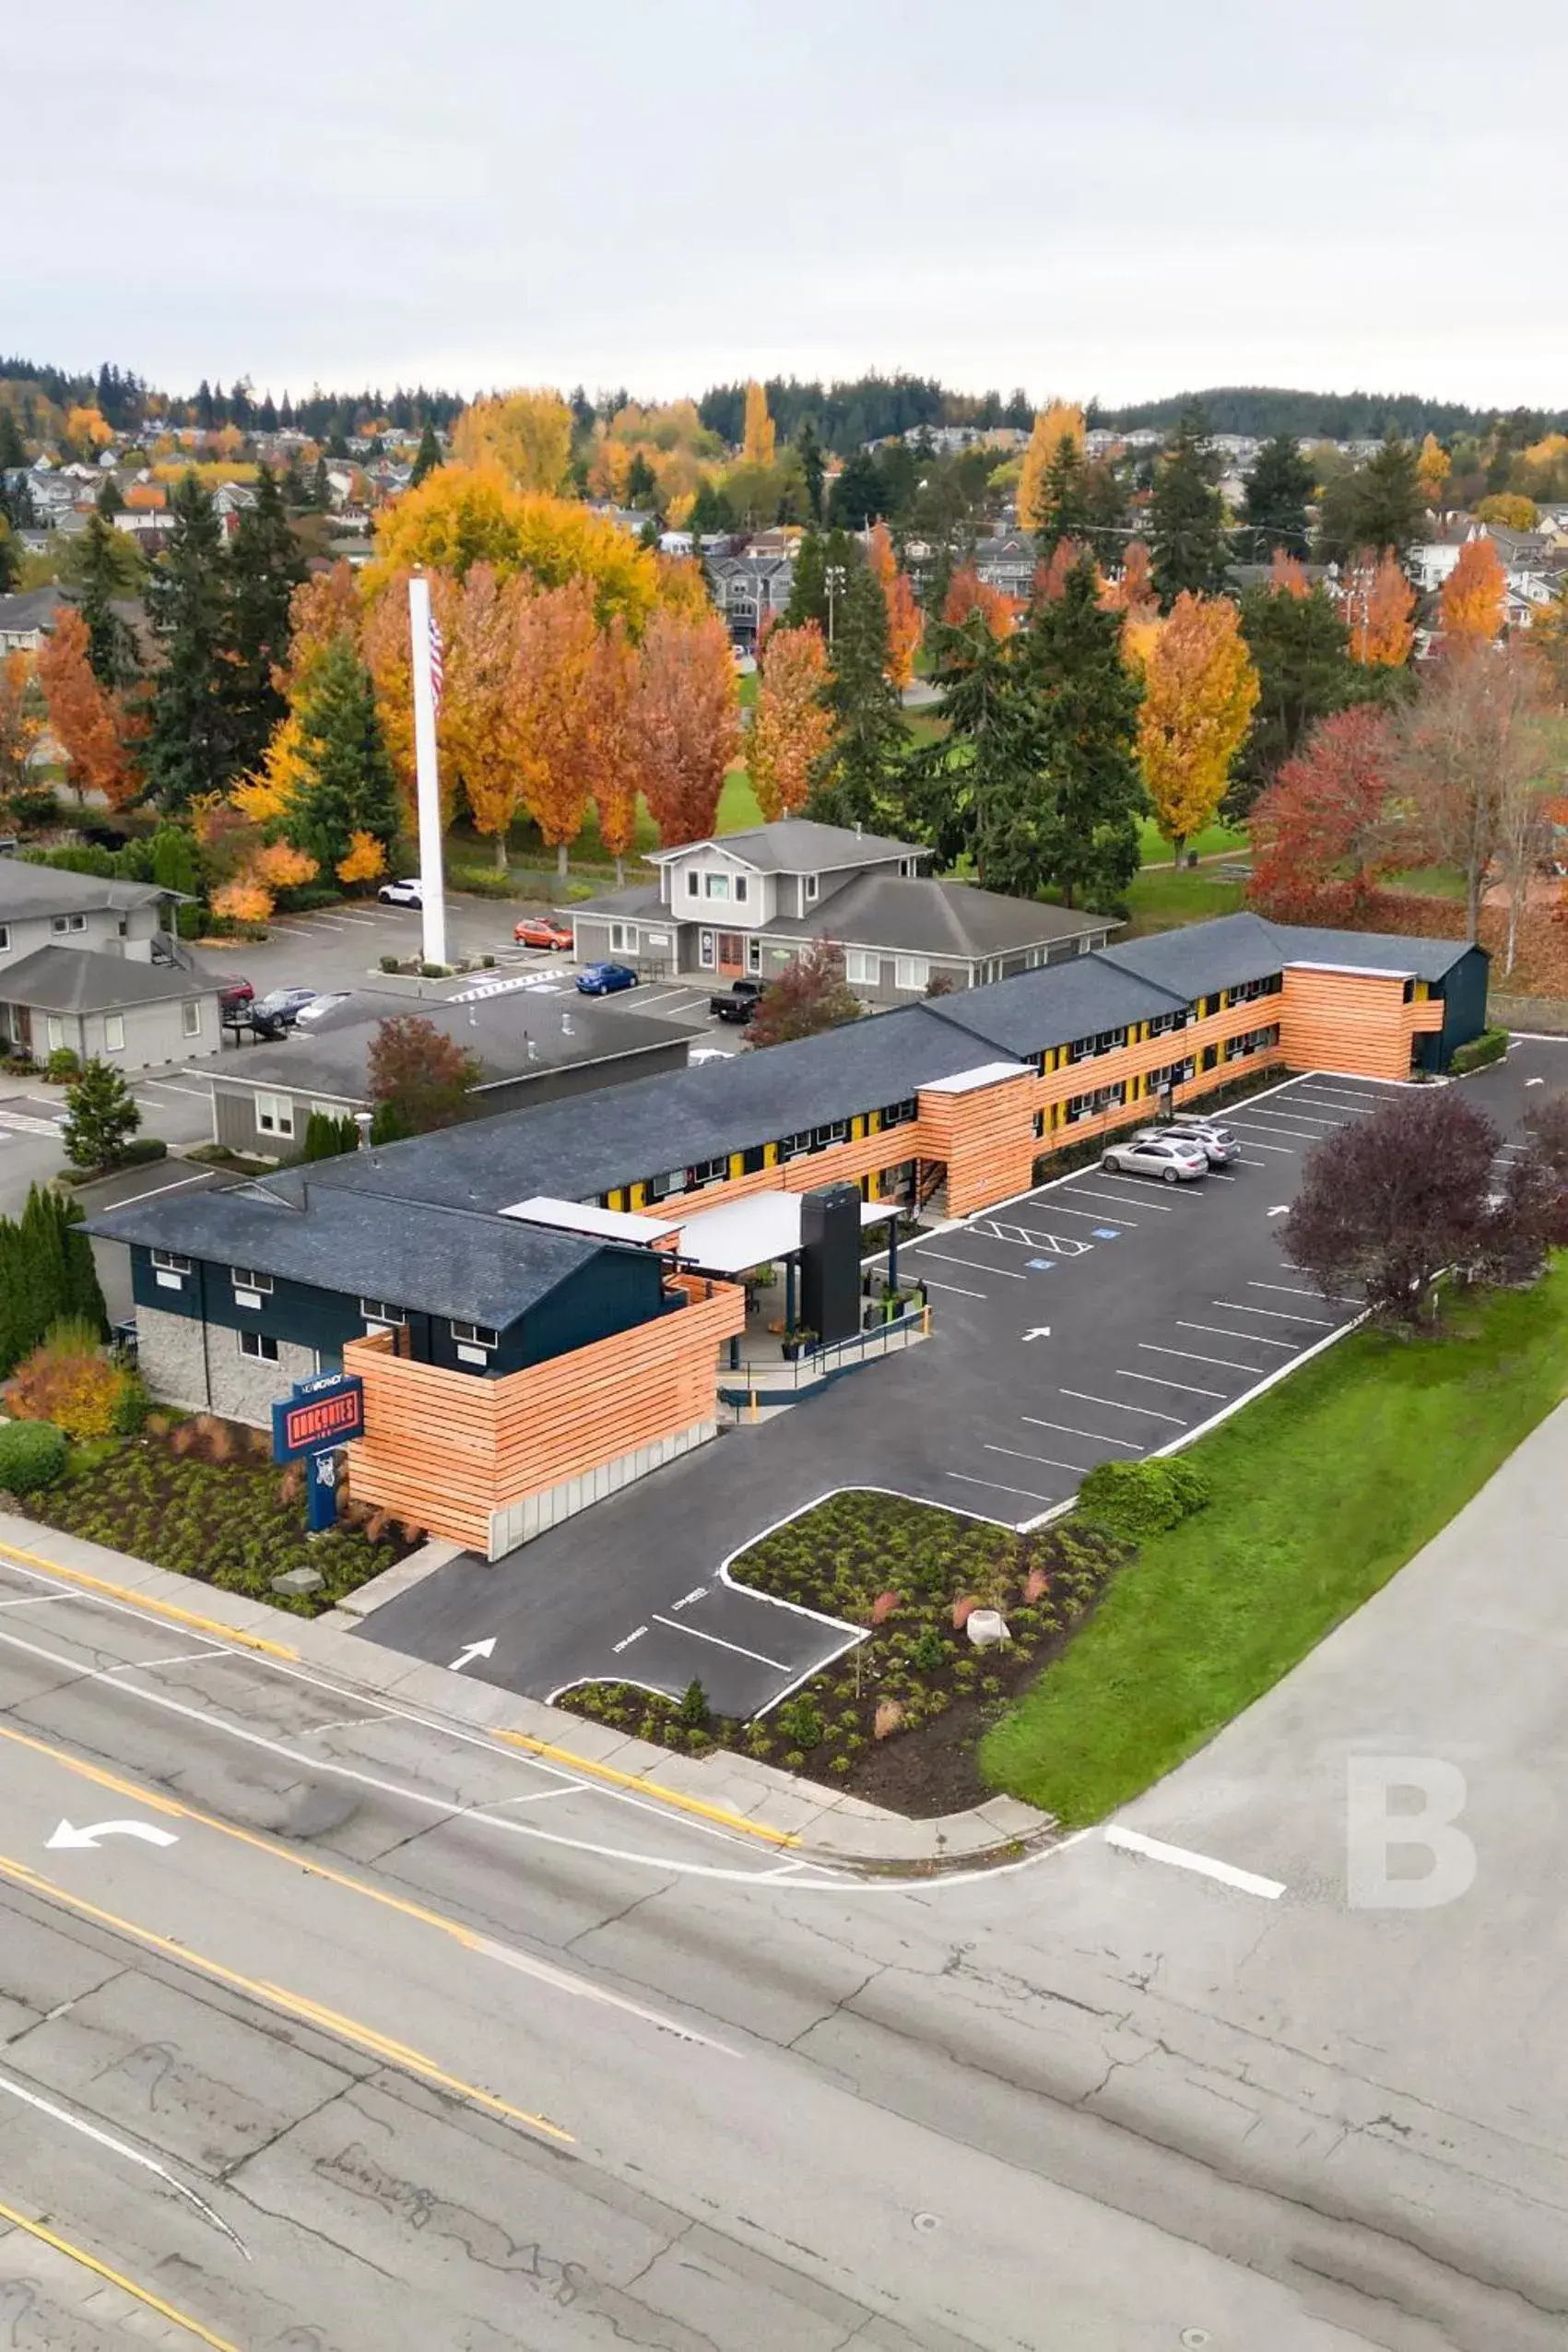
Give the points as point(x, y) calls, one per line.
point(718, 1641)
point(1248, 1882)
point(1159, 1380)
point(996, 1486)
point(1275, 1314)
point(1086, 1192)
point(1092, 1216)
point(1190, 1356)
point(32, 1600)
point(1218, 1331)
point(1362, 1103)
point(1255, 1146)
point(170, 1086)
point(975, 1265)
point(380, 1715)
point(1110, 1403)
point(957, 1289)
point(1050, 1460)
point(1304, 1289)
point(539, 1797)
point(181, 1658)
point(1095, 1437)
point(132, 2155)
point(1288, 1120)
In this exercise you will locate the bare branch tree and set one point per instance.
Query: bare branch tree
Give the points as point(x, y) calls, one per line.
point(1469, 746)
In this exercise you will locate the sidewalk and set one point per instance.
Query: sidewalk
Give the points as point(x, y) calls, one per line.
point(752, 1799)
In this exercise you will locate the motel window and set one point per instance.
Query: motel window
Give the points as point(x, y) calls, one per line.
point(836, 1132)
point(1163, 1023)
point(792, 1146)
point(259, 1344)
point(1409, 992)
point(380, 1310)
point(113, 1033)
point(753, 1159)
point(860, 969)
point(707, 1172)
point(901, 1113)
point(1250, 989)
point(55, 1030)
point(716, 885)
point(911, 971)
point(246, 1278)
point(1103, 1098)
point(168, 1263)
point(659, 1187)
point(693, 885)
point(64, 923)
point(476, 1335)
point(191, 1018)
point(274, 1115)
point(1254, 1041)
point(1039, 1124)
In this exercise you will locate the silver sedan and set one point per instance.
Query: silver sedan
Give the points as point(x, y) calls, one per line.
point(1176, 1159)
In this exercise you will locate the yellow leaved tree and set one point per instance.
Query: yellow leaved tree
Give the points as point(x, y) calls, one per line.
point(757, 443)
point(1058, 422)
point(528, 434)
point(1200, 691)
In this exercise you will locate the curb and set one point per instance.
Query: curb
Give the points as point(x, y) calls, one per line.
point(796, 1818)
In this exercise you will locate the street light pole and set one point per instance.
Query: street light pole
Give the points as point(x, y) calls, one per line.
point(834, 580)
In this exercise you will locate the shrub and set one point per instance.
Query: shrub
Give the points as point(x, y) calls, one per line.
point(32, 1454)
point(69, 1381)
point(435, 971)
point(1490, 1046)
point(391, 963)
point(800, 1723)
point(131, 1406)
point(488, 962)
point(930, 1649)
point(1138, 1499)
point(63, 1064)
point(142, 1148)
point(692, 1712)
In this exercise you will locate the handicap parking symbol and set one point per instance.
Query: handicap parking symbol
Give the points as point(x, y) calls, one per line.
point(1107, 1232)
point(1041, 1265)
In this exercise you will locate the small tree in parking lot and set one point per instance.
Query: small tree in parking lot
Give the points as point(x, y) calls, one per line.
point(810, 995)
point(101, 1117)
point(1392, 1202)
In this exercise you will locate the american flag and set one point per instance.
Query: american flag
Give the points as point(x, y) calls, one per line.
point(437, 672)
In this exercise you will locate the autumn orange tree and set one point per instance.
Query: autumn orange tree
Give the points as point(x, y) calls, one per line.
point(478, 714)
point(1326, 828)
point(1132, 591)
point(791, 726)
point(21, 721)
point(87, 721)
point(1287, 575)
point(552, 669)
point(1200, 691)
point(1379, 603)
point(1471, 603)
point(605, 745)
point(461, 515)
point(1058, 422)
point(905, 622)
point(685, 728)
point(967, 593)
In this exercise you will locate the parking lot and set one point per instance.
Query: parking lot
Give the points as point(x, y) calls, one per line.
point(1098, 1318)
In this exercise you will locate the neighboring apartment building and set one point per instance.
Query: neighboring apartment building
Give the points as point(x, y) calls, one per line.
point(747, 588)
point(746, 903)
point(89, 965)
point(491, 1410)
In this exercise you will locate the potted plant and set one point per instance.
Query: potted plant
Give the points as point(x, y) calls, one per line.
point(799, 1340)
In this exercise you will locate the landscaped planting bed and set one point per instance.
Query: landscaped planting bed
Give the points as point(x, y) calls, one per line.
point(896, 1720)
point(203, 1498)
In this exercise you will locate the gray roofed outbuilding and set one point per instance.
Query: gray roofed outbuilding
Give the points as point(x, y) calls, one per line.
point(27, 889)
point(924, 916)
point(78, 979)
point(439, 1261)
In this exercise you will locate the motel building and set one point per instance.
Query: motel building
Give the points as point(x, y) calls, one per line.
point(547, 1305)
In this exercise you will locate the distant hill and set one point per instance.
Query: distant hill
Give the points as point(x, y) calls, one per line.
point(1326, 415)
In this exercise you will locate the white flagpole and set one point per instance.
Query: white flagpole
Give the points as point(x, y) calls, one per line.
point(431, 889)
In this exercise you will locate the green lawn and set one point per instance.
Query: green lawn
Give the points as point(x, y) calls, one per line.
point(1214, 841)
point(1321, 1490)
point(1162, 896)
point(1431, 881)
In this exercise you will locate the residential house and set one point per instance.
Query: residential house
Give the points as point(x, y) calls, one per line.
point(1008, 562)
point(746, 903)
point(746, 588)
point(26, 619)
point(91, 964)
point(531, 1047)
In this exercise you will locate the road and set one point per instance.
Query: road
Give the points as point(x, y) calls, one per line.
point(407, 2040)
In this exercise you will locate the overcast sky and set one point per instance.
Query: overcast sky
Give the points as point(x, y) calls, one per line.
point(1126, 200)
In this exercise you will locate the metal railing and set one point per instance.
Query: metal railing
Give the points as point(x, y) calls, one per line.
point(765, 1378)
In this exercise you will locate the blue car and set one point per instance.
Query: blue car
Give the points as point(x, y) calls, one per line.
point(605, 979)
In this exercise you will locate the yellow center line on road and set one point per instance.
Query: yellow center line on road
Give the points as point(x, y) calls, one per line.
point(278, 1996)
point(168, 1610)
point(117, 2279)
point(608, 1773)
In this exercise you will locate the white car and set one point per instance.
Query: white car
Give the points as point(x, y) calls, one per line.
point(1222, 1143)
point(1176, 1159)
point(403, 893)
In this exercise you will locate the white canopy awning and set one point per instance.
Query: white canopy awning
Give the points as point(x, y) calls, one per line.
point(755, 1230)
point(586, 1217)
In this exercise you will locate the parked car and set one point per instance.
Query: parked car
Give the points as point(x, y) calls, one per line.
point(543, 931)
point(1156, 1151)
point(1221, 1144)
point(272, 1015)
point(738, 1002)
point(409, 893)
point(319, 1006)
point(234, 993)
point(605, 979)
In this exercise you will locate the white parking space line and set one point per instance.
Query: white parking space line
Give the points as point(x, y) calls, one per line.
point(676, 1626)
point(1301, 1290)
point(1283, 1127)
point(1275, 1314)
point(956, 1289)
point(1254, 1339)
point(291, 930)
point(1078, 1469)
point(1317, 1092)
point(1110, 1403)
point(170, 1086)
point(1095, 1437)
point(1255, 1146)
point(975, 1265)
point(996, 1487)
point(1159, 1380)
point(1190, 1356)
point(1246, 1882)
point(1284, 1118)
point(155, 1191)
point(1091, 1215)
point(1084, 1193)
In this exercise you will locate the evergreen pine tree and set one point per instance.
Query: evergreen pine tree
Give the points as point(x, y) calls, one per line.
point(428, 456)
point(863, 767)
point(808, 586)
point(1187, 537)
point(348, 783)
point(190, 740)
point(954, 789)
point(1278, 490)
point(321, 488)
point(15, 1326)
point(265, 566)
point(10, 558)
point(1381, 504)
point(1301, 650)
point(84, 1294)
point(112, 644)
point(809, 450)
point(1072, 823)
point(101, 1117)
point(13, 449)
point(1062, 509)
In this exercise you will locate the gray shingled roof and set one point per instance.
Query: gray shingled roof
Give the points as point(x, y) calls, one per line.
point(79, 980)
point(28, 890)
point(922, 916)
point(590, 1143)
point(1370, 950)
point(1203, 956)
point(1057, 1005)
point(440, 1261)
point(799, 845)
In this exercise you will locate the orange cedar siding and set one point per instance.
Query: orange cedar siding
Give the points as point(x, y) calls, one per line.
point(1354, 1021)
point(446, 1449)
point(986, 1137)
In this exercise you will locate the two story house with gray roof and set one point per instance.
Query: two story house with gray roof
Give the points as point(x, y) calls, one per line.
point(90, 966)
point(746, 903)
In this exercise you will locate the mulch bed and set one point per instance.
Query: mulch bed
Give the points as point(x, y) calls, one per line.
point(899, 1719)
point(202, 1499)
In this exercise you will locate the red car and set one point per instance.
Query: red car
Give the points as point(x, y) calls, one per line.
point(543, 930)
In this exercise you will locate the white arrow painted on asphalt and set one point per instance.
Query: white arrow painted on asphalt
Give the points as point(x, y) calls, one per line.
point(1534, 1082)
point(1041, 1332)
point(1280, 1213)
point(474, 1649)
point(66, 1836)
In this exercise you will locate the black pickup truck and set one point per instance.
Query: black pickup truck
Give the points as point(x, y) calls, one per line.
point(738, 1002)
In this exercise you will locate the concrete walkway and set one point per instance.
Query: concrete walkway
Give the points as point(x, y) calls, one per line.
point(817, 1824)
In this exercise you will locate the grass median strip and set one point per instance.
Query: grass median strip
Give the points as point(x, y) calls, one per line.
point(1321, 1490)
